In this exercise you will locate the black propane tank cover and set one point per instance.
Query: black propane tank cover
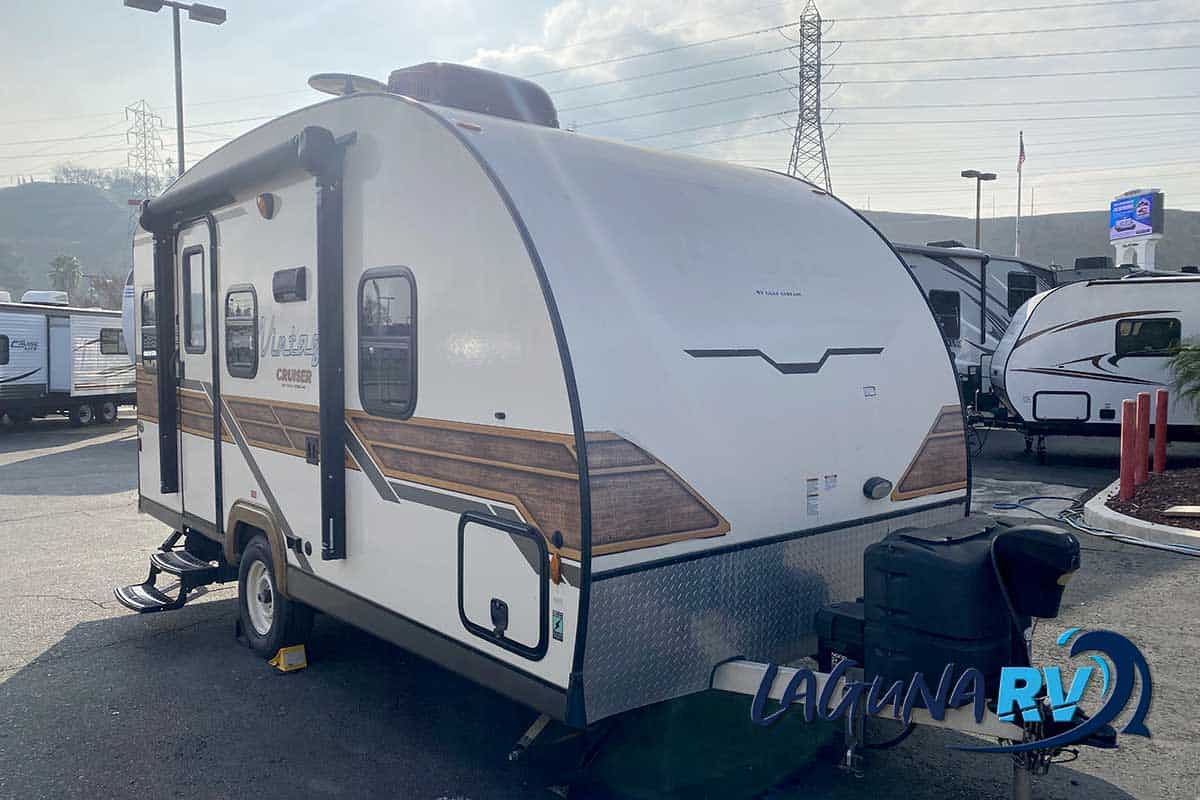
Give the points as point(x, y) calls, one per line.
point(1036, 561)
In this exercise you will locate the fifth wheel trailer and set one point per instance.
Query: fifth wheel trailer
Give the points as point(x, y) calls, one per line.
point(575, 419)
point(57, 359)
point(1072, 354)
point(973, 296)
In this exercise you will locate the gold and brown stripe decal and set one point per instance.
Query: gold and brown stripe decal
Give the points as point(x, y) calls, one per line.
point(940, 464)
point(637, 500)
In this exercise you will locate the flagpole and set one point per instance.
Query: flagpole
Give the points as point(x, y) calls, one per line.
point(1017, 244)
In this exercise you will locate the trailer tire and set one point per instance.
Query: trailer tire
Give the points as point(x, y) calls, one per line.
point(269, 620)
point(105, 412)
point(82, 415)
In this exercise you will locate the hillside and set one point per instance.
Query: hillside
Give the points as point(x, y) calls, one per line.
point(1046, 238)
point(39, 221)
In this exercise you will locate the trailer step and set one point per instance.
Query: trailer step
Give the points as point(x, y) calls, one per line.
point(182, 563)
point(144, 598)
point(191, 575)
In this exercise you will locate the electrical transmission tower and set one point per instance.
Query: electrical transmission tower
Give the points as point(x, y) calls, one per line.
point(808, 159)
point(145, 145)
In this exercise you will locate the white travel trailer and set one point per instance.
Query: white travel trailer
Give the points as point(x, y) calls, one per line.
point(973, 296)
point(1072, 354)
point(57, 359)
point(575, 419)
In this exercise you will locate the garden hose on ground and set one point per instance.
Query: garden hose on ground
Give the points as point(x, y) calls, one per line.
point(1072, 515)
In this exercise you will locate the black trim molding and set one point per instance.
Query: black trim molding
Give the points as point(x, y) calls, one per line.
point(788, 368)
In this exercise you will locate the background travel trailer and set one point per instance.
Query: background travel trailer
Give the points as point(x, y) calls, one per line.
point(1072, 354)
point(973, 297)
point(56, 359)
point(573, 418)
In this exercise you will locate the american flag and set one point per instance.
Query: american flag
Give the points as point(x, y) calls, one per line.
point(1021, 153)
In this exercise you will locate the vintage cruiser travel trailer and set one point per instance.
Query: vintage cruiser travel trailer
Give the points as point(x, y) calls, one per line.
point(973, 296)
point(1071, 355)
point(58, 359)
point(575, 419)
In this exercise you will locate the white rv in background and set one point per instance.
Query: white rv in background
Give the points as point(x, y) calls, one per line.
point(1072, 354)
point(973, 297)
point(575, 419)
point(55, 359)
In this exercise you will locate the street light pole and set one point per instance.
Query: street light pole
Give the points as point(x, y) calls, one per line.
point(178, 93)
point(197, 12)
point(979, 177)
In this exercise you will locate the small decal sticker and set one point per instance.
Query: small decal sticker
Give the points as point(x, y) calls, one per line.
point(831, 481)
point(556, 625)
point(814, 506)
point(812, 486)
point(869, 391)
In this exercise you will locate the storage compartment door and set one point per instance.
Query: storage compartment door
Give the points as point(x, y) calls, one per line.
point(1060, 406)
point(504, 583)
point(60, 354)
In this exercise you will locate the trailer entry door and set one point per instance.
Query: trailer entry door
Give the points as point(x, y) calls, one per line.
point(198, 393)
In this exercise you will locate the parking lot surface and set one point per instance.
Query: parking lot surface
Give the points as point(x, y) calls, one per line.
point(98, 702)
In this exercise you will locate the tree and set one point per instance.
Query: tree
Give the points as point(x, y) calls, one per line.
point(1185, 366)
point(106, 291)
point(12, 271)
point(65, 274)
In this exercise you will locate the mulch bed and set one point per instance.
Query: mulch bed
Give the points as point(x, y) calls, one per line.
point(1179, 487)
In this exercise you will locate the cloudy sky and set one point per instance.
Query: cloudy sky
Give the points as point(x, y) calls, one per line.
point(1106, 91)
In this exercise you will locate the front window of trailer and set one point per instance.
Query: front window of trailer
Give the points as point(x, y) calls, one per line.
point(945, 307)
point(1148, 337)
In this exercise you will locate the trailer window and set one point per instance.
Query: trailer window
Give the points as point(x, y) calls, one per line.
point(1148, 337)
point(3, 350)
point(112, 342)
point(149, 327)
point(387, 339)
point(1021, 287)
point(241, 332)
point(945, 310)
point(193, 302)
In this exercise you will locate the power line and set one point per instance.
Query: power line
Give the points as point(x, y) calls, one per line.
point(662, 50)
point(673, 70)
point(945, 78)
point(982, 11)
point(903, 106)
point(1011, 56)
point(1021, 32)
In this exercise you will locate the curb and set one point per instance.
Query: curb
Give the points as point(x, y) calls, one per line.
point(1099, 515)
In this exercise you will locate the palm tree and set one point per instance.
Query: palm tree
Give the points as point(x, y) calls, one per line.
point(1185, 366)
point(65, 274)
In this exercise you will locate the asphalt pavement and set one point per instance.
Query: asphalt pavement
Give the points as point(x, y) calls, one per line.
point(98, 702)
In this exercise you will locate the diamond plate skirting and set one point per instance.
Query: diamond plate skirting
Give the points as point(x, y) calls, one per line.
point(657, 634)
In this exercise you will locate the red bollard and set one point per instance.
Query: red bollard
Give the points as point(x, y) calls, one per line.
point(1141, 448)
point(1128, 437)
point(1160, 431)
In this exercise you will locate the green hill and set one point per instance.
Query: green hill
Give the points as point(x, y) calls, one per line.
point(39, 221)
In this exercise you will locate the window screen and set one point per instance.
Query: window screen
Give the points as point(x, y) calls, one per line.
point(387, 338)
point(193, 303)
point(149, 327)
point(1147, 337)
point(945, 311)
point(3, 350)
point(112, 342)
point(241, 333)
point(1021, 287)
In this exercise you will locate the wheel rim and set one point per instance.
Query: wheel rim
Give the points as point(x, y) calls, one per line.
point(260, 598)
point(85, 414)
point(108, 411)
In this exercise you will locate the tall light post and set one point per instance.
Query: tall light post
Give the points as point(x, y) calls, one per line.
point(979, 177)
point(197, 12)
